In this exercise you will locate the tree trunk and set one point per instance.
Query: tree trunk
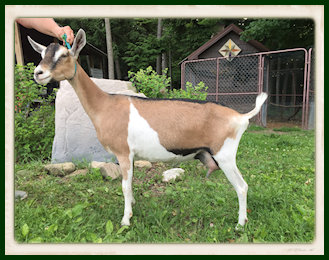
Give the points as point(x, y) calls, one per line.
point(164, 61)
point(159, 33)
point(109, 48)
point(170, 72)
point(117, 68)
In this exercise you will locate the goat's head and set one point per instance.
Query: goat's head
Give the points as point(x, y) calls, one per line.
point(58, 63)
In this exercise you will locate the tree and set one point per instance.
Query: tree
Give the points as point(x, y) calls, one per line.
point(281, 33)
point(159, 57)
point(119, 44)
point(109, 48)
point(142, 47)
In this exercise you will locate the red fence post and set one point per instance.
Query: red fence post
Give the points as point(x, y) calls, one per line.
point(304, 91)
point(308, 86)
point(182, 78)
point(260, 82)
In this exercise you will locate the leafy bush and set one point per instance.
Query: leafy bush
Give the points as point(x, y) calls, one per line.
point(150, 83)
point(154, 85)
point(34, 126)
point(197, 92)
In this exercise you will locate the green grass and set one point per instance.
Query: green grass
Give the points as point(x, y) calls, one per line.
point(278, 167)
point(287, 129)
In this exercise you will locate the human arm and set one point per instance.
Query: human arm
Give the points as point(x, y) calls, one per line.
point(47, 26)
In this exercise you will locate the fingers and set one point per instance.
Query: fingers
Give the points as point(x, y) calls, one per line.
point(69, 34)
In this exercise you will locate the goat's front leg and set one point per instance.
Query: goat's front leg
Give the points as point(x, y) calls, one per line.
point(126, 164)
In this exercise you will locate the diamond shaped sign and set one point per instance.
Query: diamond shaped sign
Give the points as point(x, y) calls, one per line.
point(229, 50)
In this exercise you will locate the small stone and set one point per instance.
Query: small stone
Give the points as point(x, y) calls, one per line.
point(60, 169)
point(143, 164)
point(20, 194)
point(77, 172)
point(172, 174)
point(22, 172)
point(308, 182)
point(95, 164)
point(110, 170)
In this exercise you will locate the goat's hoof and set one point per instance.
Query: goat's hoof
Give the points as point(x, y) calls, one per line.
point(125, 222)
point(239, 227)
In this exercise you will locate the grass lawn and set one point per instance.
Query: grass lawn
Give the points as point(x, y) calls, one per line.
point(278, 165)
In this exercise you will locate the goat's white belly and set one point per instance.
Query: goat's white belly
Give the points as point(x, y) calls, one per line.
point(144, 141)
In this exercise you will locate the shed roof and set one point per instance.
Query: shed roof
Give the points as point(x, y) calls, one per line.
point(232, 27)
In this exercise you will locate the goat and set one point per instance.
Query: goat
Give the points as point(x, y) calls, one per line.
point(155, 130)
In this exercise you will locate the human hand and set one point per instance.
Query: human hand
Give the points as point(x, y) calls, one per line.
point(69, 34)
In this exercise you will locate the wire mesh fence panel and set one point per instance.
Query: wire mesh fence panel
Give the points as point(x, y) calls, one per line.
point(284, 81)
point(290, 114)
point(241, 103)
point(239, 75)
point(203, 70)
point(238, 83)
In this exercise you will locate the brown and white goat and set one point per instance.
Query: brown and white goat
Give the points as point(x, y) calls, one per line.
point(155, 130)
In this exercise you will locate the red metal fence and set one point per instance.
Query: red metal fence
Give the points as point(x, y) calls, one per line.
point(285, 75)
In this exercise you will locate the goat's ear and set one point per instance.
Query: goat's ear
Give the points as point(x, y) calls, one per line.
point(79, 43)
point(37, 47)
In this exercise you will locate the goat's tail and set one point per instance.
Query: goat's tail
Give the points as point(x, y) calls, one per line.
point(259, 102)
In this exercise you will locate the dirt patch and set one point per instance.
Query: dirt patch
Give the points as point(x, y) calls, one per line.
point(277, 125)
point(152, 177)
point(272, 125)
point(268, 131)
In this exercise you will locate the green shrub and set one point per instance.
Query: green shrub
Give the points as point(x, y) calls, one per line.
point(150, 83)
point(198, 92)
point(34, 127)
point(154, 85)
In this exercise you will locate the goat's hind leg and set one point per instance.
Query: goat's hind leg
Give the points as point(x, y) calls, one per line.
point(234, 176)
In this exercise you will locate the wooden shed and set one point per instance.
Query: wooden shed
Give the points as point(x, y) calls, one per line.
point(211, 49)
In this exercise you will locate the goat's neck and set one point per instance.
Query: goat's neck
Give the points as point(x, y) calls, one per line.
point(90, 95)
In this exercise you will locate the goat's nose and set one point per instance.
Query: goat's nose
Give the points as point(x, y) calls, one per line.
point(38, 72)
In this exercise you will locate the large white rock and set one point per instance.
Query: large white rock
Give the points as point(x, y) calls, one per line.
point(75, 136)
point(172, 174)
